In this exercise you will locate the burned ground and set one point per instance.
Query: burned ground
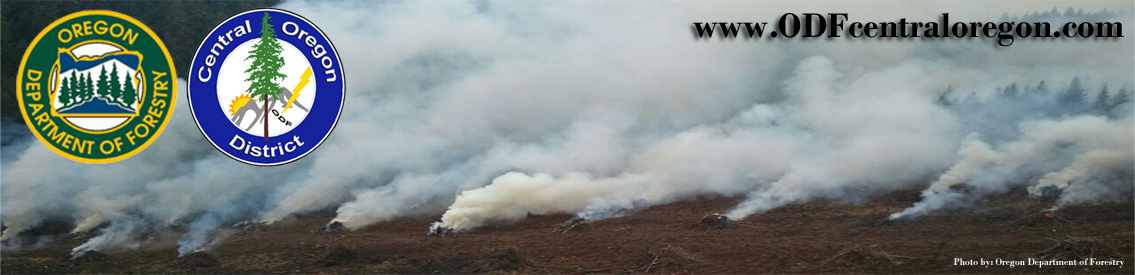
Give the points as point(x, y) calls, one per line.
point(819, 236)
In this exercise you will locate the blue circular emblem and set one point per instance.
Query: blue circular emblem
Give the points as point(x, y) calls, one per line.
point(266, 87)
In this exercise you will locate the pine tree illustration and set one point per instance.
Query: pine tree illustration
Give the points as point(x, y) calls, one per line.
point(129, 94)
point(104, 86)
point(265, 69)
point(88, 88)
point(65, 93)
point(116, 85)
point(76, 91)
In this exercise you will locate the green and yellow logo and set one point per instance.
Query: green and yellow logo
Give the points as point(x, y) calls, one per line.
point(97, 86)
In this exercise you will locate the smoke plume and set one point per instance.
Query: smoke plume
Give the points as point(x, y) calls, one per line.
point(490, 111)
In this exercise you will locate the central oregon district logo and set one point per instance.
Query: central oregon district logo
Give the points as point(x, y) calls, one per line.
point(96, 86)
point(266, 87)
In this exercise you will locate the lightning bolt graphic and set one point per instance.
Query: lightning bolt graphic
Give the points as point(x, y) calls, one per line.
point(296, 92)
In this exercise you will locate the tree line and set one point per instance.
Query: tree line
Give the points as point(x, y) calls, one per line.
point(1073, 99)
point(78, 89)
point(996, 117)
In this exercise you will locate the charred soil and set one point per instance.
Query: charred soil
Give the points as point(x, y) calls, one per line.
point(682, 237)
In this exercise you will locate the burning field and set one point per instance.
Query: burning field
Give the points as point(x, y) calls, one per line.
point(529, 137)
point(815, 237)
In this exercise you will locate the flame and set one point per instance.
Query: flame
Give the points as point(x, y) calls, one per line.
point(239, 102)
point(1048, 214)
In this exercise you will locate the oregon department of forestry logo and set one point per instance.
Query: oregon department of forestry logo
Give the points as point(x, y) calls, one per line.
point(96, 86)
point(266, 87)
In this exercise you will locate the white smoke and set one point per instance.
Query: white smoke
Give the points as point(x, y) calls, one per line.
point(833, 130)
point(203, 234)
point(513, 196)
point(494, 110)
point(1084, 166)
point(821, 148)
point(172, 182)
point(975, 155)
point(860, 145)
point(121, 234)
point(1099, 173)
point(1100, 147)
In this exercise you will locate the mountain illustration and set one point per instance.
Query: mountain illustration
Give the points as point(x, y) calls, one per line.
point(97, 85)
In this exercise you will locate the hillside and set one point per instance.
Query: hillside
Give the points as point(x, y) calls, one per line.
point(816, 237)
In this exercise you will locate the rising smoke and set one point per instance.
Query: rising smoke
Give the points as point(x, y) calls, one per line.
point(489, 111)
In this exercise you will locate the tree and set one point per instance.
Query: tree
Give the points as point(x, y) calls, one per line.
point(1010, 91)
point(76, 91)
point(1073, 97)
point(129, 94)
point(1042, 88)
point(1101, 100)
point(79, 86)
point(1120, 97)
point(265, 70)
point(65, 93)
point(104, 86)
point(115, 85)
point(88, 87)
point(81, 92)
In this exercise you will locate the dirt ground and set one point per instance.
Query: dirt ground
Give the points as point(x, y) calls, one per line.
point(815, 237)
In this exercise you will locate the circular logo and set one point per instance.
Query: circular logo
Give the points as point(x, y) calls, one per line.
point(266, 87)
point(97, 86)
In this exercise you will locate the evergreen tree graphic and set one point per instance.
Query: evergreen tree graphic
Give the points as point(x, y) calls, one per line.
point(104, 85)
point(88, 87)
point(265, 69)
point(65, 93)
point(116, 86)
point(129, 94)
point(76, 91)
point(81, 88)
